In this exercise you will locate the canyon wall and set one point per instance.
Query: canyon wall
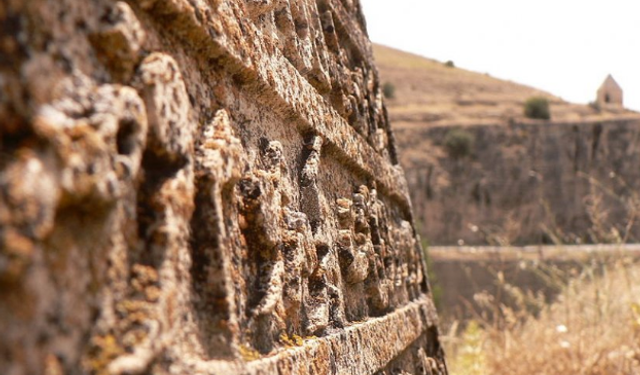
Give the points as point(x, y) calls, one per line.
point(203, 187)
point(525, 183)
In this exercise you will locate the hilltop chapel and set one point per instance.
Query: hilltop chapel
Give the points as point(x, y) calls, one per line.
point(610, 93)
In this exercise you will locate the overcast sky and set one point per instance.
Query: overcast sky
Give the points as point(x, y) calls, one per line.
point(565, 47)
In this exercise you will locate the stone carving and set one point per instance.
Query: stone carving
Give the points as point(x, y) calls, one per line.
point(202, 187)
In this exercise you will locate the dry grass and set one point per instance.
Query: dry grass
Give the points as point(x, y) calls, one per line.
point(429, 93)
point(592, 329)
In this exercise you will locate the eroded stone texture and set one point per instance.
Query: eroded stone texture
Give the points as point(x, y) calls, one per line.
point(202, 187)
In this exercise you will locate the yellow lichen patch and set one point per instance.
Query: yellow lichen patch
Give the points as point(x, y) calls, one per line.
point(248, 353)
point(297, 340)
point(294, 340)
point(635, 310)
point(102, 351)
point(284, 339)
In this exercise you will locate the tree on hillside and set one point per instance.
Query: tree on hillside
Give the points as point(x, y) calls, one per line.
point(537, 107)
point(389, 90)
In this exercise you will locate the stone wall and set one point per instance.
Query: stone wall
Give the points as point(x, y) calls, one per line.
point(202, 187)
point(526, 183)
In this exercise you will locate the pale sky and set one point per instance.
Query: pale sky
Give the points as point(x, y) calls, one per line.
point(565, 47)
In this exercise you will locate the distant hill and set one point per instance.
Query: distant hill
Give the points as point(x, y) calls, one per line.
point(479, 172)
point(430, 93)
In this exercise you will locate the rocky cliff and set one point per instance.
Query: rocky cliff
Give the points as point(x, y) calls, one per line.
point(202, 187)
point(526, 183)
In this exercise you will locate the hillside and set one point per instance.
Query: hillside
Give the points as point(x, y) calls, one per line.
point(430, 93)
point(481, 173)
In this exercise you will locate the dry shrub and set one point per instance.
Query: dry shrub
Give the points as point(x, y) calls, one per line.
point(459, 143)
point(593, 328)
point(537, 107)
point(389, 90)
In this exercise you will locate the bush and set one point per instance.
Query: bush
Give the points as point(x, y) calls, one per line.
point(537, 107)
point(450, 64)
point(458, 143)
point(389, 90)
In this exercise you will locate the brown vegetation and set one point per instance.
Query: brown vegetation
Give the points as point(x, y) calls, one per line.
point(593, 328)
point(432, 93)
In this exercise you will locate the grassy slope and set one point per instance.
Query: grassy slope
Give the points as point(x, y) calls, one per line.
point(429, 93)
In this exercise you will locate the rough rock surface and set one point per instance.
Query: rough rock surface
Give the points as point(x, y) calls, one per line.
point(548, 182)
point(202, 187)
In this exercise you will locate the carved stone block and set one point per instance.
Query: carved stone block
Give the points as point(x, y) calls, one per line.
point(202, 187)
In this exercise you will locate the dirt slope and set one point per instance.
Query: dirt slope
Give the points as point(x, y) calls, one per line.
point(430, 93)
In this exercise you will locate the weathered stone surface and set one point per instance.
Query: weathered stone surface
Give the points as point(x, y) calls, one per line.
point(202, 187)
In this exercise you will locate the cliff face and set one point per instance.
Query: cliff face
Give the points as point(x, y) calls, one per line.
point(479, 171)
point(525, 183)
point(194, 187)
